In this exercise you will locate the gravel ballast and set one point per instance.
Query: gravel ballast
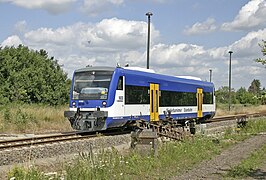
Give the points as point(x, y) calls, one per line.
point(26, 154)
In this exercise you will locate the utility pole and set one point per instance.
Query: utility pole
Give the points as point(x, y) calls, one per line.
point(210, 75)
point(230, 64)
point(149, 14)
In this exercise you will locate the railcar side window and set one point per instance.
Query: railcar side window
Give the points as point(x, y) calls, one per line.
point(120, 83)
point(171, 98)
point(207, 98)
point(137, 95)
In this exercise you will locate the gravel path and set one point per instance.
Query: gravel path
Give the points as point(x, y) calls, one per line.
point(219, 165)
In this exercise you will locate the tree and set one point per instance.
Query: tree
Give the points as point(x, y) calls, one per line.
point(31, 76)
point(222, 95)
point(255, 87)
point(263, 97)
point(245, 97)
point(263, 50)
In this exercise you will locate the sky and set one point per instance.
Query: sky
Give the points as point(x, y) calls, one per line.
point(188, 37)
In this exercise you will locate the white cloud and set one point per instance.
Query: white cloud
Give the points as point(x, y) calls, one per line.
point(11, 41)
point(153, 1)
point(201, 28)
point(253, 70)
point(103, 36)
point(247, 46)
point(188, 59)
point(52, 6)
point(96, 44)
point(95, 7)
point(177, 54)
point(109, 45)
point(21, 26)
point(252, 15)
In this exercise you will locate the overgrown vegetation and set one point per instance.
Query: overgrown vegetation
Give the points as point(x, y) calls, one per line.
point(31, 77)
point(251, 128)
point(34, 118)
point(173, 158)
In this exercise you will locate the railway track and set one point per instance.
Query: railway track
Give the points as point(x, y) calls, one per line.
point(237, 117)
point(49, 139)
point(46, 146)
point(24, 142)
point(73, 136)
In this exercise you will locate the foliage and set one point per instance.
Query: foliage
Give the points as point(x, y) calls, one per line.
point(263, 50)
point(31, 76)
point(254, 95)
point(244, 97)
point(251, 128)
point(222, 95)
point(254, 127)
point(28, 173)
point(255, 87)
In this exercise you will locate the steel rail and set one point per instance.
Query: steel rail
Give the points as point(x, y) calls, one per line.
point(235, 117)
point(36, 140)
point(28, 142)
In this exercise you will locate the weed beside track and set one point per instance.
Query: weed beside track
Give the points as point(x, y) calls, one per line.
point(173, 159)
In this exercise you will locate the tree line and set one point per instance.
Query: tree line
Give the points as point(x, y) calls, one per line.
point(254, 95)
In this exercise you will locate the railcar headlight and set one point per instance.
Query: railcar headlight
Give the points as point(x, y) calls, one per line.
point(74, 104)
point(104, 103)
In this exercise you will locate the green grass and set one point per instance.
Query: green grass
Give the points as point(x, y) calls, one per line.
point(250, 165)
point(173, 158)
point(24, 174)
point(34, 118)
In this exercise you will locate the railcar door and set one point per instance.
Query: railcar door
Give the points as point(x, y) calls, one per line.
point(154, 102)
point(199, 102)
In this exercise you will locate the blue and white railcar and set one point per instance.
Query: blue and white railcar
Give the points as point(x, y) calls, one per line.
point(107, 97)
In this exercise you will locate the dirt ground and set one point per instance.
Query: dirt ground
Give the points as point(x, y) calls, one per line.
point(217, 167)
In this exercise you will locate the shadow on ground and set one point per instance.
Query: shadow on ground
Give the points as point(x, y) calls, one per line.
point(257, 174)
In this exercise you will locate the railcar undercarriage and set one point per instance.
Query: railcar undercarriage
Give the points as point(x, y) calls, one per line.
point(87, 120)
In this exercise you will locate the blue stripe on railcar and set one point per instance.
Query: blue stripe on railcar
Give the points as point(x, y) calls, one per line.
point(121, 121)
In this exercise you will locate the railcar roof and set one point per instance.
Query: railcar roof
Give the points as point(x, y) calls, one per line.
point(96, 68)
point(150, 75)
point(168, 78)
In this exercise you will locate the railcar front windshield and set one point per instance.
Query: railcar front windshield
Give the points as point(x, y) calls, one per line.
point(91, 85)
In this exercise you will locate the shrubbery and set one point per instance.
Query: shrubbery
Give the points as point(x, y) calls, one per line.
point(253, 96)
point(32, 77)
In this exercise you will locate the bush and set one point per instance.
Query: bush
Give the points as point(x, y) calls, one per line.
point(32, 77)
